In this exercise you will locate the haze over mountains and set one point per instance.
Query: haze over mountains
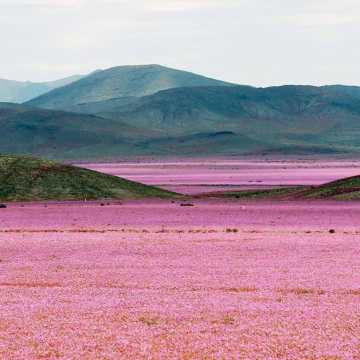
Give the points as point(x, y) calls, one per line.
point(154, 110)
point(19, 92)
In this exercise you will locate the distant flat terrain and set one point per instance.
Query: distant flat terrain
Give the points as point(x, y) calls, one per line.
point(199, 175)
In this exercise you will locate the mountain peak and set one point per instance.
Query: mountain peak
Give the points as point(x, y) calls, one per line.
point(119, 86)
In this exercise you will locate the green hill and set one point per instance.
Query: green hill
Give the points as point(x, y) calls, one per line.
point(32, 179)
point(118, 86)
point(285, 119)
point(343, 189)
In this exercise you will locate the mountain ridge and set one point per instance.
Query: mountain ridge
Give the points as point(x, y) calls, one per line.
point(124, 84)
point(140, 110)
point(22, 91)
point(194, 121)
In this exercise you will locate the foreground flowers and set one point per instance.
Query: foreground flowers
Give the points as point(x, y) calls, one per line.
point(132, 281)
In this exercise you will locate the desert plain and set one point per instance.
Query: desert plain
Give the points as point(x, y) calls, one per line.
point(225, 278)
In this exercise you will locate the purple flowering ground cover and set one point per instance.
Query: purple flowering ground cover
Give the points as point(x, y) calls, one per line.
point(150, 279)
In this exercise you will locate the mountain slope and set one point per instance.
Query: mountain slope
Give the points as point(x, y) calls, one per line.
point(31, 131)
point(19, 92)
point(31, 179)
point(344, 89)
point(62, 135)
point(118, 86)
point(287, 118)
point(201, 121)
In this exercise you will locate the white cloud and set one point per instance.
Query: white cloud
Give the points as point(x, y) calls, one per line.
point(258, 42)
point(315, 19)
point(185, 5)
point(176, 5)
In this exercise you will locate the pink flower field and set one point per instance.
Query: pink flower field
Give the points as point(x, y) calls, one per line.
point(150, 279)
point(194, 176)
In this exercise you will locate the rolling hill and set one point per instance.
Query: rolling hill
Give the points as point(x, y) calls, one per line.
point(192, 121)
point(118, 86)
point(343, 189)
point(288, 119)
point(31, 179)
point(19, 91)
point(30, 131)
point(62, 135)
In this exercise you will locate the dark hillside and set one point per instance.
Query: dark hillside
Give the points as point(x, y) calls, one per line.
point(183, 108)
point(31, 179)
point(286, 118)
point(343, 189)
point(37, 132)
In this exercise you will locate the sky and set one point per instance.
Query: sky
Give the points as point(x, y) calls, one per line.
point(253, 42)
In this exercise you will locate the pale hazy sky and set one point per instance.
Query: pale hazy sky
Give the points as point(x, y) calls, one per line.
point(255, 42)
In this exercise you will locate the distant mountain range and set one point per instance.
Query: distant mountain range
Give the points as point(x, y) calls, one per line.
point(285, 119)
point(30, 131)
point(118, 86)
point(154, 110)
point(19, 92)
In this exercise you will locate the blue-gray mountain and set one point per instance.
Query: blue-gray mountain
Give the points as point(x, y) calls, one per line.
point(154, 110)
point(19, 91)
point(118, 86)
point(192, 121)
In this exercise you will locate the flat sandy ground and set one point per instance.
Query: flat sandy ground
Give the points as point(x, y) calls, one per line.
point(150, 279)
